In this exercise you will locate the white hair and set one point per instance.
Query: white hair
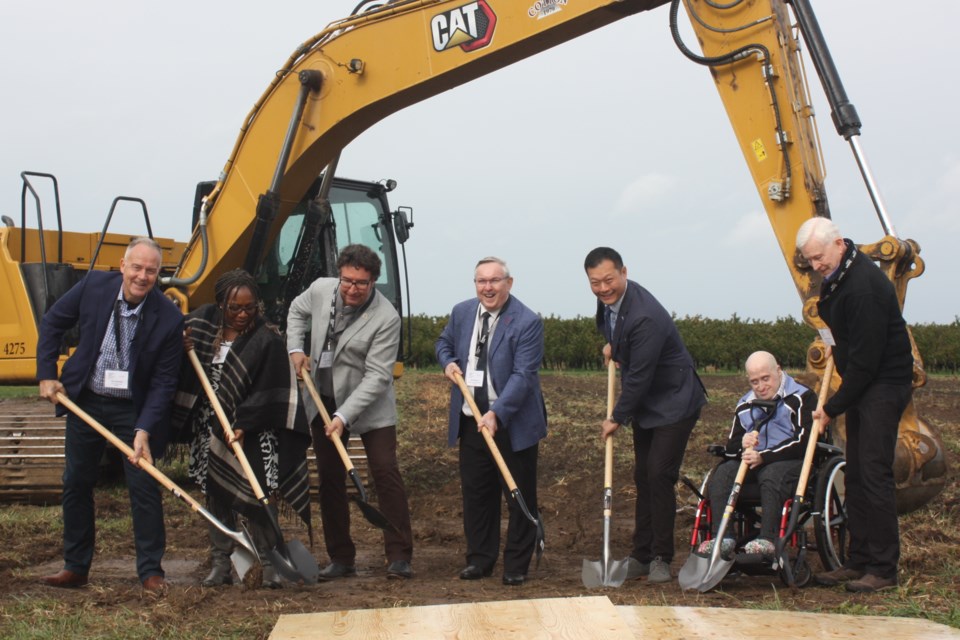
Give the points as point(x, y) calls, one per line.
point(494, 259)
point(823, 230)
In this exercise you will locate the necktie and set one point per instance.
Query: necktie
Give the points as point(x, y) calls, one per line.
point(608, 318)
point(480, 393)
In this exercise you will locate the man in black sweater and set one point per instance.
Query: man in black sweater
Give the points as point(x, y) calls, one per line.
point(872, 353)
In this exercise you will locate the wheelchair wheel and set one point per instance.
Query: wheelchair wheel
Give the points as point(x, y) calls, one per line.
point(830, 513)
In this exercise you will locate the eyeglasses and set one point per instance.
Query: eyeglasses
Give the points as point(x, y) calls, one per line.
point(482, 282)
point(359, 284)
point(237, 309)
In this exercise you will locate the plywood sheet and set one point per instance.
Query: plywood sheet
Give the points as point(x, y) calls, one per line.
point(591, 618)
point(696, 623)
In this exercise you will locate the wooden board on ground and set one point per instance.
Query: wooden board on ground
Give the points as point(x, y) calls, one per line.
point(595, 618)
point(696, 623)
point(591, 618)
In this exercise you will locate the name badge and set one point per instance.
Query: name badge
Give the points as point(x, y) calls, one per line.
point(326, 360)
point(221, 354)
point(114, 379)
point(827, 336)
point(474, 378)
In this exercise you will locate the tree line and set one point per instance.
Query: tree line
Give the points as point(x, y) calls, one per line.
point(722, 345)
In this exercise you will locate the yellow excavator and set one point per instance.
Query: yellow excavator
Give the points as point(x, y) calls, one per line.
point(387, 55)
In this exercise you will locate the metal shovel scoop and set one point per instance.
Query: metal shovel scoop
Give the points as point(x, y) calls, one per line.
point(606, 572)
point(245, 552)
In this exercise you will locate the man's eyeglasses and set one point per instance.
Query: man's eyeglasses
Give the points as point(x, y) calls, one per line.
point(236, 309)
point(359, 284)
point(483, 282)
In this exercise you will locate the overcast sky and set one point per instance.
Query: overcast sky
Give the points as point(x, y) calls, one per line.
point(611, 139)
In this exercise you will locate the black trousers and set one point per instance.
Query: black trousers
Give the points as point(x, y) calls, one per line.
point(381, 448)
point(659, 454)
point(483, 485)
point(84, 449)
point(872, 426)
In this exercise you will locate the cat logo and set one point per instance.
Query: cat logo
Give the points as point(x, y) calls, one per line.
point(469, 27)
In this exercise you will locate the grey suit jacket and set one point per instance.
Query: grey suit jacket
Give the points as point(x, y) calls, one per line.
point(363, 360)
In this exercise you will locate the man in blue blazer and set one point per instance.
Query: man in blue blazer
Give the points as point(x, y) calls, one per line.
point(661, 395)
point(124, 374)
point(496, 344)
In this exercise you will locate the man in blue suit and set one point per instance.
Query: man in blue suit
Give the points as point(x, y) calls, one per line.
point(497, 346)
point(661, 396)
point(124, 374)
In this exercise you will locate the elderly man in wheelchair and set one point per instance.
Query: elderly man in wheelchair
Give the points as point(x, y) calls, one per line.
point(771, 428)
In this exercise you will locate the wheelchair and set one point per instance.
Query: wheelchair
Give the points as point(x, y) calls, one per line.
point(822, 510)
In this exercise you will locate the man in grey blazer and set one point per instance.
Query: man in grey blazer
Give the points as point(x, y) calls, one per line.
point(354, 336)
point(496, 344)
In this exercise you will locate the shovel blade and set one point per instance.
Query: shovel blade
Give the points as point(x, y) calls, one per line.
point(294, 562)
point(243, 561)
point(698, 572)
point(595, 575)
point(374, 516)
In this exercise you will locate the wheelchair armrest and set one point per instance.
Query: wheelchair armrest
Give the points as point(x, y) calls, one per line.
point(827, 450)
point(717, 450)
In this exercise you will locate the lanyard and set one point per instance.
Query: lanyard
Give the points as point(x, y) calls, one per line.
point(481, 334)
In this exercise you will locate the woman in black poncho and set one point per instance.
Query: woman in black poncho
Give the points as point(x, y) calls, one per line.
point(247, 363)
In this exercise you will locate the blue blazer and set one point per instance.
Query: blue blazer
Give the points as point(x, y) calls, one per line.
point(513, 362)
point(659, 382)
point(154, 357)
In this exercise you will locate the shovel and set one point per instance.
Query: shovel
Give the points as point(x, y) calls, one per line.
point(292, 560)
point(781, 555)
point(504, 471)
point(606, 572)
point(373, 516)
point(245, 553)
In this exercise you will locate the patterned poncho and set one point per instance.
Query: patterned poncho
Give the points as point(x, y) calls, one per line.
point(258, 390)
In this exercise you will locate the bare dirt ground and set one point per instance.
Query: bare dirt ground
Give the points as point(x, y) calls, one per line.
point(570, 494)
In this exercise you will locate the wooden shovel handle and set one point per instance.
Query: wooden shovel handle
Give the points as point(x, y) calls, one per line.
point(325, 415)
point(608, 445)
point(494, 450)
point(127, 451)
point(815, 432)
point(225, 423)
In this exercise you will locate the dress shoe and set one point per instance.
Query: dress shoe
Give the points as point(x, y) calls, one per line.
point(870, 583)
point(399, 569)
point(65, 579)
point(513, 579)
point(837, 576)
point(473, 572)
point(155, 584)
point(336, 570)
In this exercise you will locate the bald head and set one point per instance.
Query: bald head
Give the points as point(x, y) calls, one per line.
point(763, 374)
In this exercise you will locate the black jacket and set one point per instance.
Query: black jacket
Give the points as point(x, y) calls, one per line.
point(659, 382)
point(872, 344)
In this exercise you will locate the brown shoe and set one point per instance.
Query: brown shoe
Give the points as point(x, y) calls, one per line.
point(155, 585)
point(837, 576)
point(870, 583)
point(65, 579)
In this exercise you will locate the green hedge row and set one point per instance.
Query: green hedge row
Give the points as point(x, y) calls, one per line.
point(714, 344)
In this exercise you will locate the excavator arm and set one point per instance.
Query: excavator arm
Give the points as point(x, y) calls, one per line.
point(389, 55)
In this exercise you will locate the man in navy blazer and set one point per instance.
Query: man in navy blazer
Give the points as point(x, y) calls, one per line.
point(496, 344)
point(124, 374)
point(661, 395)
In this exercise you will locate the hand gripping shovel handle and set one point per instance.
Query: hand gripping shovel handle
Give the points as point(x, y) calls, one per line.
point(494, 449)
point(373, 516)
point(344, 456)
point(804, 473)
point(282, 558)
point(156, 474)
